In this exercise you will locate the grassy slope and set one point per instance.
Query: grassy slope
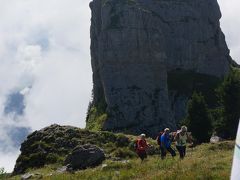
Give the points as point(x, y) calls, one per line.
point(207, 161)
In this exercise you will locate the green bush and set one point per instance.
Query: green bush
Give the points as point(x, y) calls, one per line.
point(198, 118)
point(52, 158)
point(2, 173)
point(122, 140)
point(107, 136)
point(40, 144)
point(124, 153)
point(229, 100)
point(37, 159)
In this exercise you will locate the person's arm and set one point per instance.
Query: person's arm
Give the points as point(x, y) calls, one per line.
point(176, 138)
point(148, 145)
point(189, 138)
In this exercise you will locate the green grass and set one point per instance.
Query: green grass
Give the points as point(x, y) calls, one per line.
point(96, 120)
point(96, 115)
point(207, 161)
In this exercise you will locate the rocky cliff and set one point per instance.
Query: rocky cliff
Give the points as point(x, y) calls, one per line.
point(147, 58)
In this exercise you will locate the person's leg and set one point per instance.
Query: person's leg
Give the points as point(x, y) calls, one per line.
point(180, 150)
point(184, 151)
point(144, 155)
point(163, 153)
point(172, 152)
point(140, 155)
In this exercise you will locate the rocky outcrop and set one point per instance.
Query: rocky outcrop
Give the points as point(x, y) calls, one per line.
point(54, 143)
point(135, 44)
point(85, 156)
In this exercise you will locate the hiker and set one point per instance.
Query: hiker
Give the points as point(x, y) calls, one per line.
point(166, 144)
point(181, 141)
point(142, 146)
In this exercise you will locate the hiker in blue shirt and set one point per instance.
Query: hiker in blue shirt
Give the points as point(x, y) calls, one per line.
point(166, 144)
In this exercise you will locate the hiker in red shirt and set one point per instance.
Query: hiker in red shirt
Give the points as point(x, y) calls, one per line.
point(142, 146)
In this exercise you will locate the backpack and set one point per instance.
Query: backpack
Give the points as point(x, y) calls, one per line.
point(135, 145)
point(159, 138)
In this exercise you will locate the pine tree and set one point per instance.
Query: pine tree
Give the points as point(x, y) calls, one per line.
point(229, 99)
point(198, 118)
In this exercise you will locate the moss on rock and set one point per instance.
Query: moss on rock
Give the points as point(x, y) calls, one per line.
point(38, 150)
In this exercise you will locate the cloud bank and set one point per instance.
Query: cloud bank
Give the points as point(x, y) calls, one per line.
point(45, 57)
point(230, 24)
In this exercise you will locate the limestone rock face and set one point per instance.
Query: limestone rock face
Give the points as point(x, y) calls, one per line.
point(136, 43)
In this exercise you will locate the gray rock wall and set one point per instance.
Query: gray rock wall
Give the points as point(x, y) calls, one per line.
point(135, 43)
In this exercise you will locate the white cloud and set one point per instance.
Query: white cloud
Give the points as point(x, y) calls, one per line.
point(230, 23)
point(45, 45)
point(8, 160)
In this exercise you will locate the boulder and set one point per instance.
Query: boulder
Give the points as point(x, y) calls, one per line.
point(62, 169)
point(85, 156)
point(31, 176)
point(215, 139)
point(26, 176)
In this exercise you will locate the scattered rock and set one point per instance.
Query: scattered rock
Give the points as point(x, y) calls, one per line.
point(116, 158)
point(117, 173)
point(104, 166)
point(215, 139)
point(26, 176)
point(125, 161)
point(50, 174)
point(62, 169)
point(30, 175)
point(85, 156)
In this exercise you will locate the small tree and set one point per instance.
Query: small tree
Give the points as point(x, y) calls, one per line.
point(229, 99)
point(198, 118)
point(2, 173)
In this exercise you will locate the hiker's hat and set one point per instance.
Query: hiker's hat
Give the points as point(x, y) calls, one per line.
point(143, 135)
point(166, 129)
point(184, 128)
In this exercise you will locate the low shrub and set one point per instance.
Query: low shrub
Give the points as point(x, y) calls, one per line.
point(124, 153)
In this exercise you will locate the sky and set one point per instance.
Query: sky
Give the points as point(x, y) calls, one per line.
point(45, 62)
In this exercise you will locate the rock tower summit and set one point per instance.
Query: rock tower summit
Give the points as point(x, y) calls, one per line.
point(142, 51)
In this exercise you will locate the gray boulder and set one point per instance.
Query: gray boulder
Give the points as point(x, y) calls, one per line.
point(215, 139)
point(31, 176)
point(84, 156)
point(26, 176)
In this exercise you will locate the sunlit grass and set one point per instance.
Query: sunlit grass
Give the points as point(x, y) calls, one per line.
point(207, 161)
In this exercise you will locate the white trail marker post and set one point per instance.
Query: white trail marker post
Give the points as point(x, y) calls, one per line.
point(236, 159)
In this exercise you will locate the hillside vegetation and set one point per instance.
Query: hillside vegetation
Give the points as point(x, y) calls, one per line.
point(206, 161)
